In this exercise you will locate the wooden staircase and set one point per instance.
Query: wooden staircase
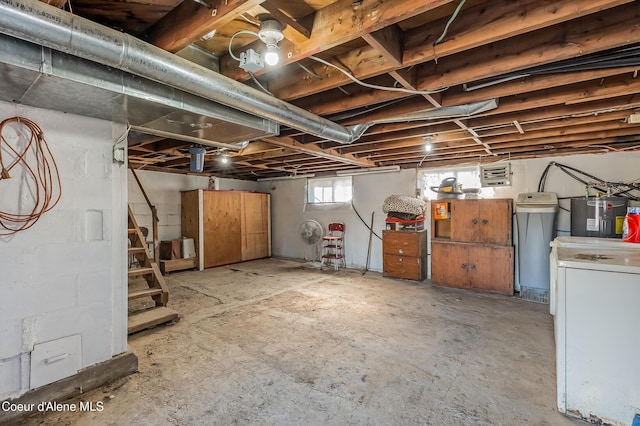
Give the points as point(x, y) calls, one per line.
point(157, 287)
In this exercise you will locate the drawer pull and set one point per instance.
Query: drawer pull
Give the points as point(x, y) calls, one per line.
point(400, 260)
point(474, 221)
point(56, 358)
point(485, 221)
point(401, 251)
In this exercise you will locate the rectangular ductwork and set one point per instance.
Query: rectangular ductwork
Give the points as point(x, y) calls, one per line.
point(38, 76)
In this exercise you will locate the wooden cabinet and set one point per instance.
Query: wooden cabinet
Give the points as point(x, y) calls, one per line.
point(404, 254)
point(471, 244)
point(227, 226)
point(481, 221)
point(482, 267)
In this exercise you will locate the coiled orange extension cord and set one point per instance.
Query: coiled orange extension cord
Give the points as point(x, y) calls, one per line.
point(41, 176)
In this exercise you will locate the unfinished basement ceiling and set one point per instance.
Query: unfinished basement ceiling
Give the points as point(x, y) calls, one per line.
point(564, 72)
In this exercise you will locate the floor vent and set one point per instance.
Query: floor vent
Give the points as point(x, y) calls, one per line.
point(534, 295)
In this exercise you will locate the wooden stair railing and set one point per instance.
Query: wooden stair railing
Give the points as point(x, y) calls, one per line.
point(157, 286)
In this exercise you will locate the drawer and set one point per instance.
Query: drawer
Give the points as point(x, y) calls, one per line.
point(407, 267)
point(404, 243)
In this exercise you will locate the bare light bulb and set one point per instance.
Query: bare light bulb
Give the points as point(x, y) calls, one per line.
point(224, 159)
point(271, 34)
point(271, 56)
point(428, 147)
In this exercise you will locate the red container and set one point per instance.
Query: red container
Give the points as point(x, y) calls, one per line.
point(631, 229)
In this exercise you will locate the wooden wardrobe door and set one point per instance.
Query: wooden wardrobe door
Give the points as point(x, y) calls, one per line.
point(222, 217)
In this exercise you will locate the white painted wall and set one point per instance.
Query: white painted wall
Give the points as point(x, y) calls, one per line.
point(287, 209)
point(613, 167)
point(163, 190)
point(65, 276)
point(370, 191)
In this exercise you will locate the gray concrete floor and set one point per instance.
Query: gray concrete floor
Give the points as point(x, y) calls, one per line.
point(273, 342)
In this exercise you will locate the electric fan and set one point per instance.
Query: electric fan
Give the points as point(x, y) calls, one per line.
point(311, 233)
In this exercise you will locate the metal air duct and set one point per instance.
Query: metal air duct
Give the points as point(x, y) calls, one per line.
point(45, 25)
point(39, 23)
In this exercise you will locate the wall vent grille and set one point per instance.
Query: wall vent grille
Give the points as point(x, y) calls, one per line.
point(495, 175)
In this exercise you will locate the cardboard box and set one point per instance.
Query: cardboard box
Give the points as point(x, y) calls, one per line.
point(441, 210)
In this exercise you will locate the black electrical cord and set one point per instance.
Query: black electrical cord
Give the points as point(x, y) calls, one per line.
point(603, 186)
point(363, 222)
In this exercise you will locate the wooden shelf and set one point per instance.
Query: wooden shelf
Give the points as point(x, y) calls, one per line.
point(167, 266)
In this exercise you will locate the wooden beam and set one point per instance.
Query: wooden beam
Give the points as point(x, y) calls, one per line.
point(559, 110)
point(506, 19)
point(338, 23)
point(335, 102)
point(531, 84)
point(367, 62)
point(190, 20)
point(287, 20)
point(579, 37)
point(572, 133)
point(316, 151)
point(567, 122)
point(502, 144)
point(564, 95)
point(387, 41)
point(56, 3)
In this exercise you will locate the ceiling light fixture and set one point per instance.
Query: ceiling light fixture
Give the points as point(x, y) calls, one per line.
point(271, 34)
point(371, 170)
point(224, 158)
point(288, 177)
point(427, 143)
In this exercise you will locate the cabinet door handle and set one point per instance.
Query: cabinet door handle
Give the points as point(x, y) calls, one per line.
point(400, 260)
point(485, 221)
point(474, 221)
point(463, 266)
point(401, 251)
point(473, 267)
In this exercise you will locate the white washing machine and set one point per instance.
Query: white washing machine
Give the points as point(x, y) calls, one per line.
point(597, 311)
point(578, 242)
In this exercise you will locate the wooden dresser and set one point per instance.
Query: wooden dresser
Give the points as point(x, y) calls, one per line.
point(471, 244)
point(404, 254)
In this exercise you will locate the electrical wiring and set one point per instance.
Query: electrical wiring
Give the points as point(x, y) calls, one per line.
point(39, 173)
point(255, 80)
point(310, 72)
point(363, 222)
point(610, 188)
point(453, 17)
point(253, 33)
point(375, 86)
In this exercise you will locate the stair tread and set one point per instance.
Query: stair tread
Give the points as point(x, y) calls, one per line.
point(136, 249)
point(150, 318)
point(143, 293)
point(139, 271)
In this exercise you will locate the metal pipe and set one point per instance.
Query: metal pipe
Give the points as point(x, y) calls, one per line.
point(49, 26)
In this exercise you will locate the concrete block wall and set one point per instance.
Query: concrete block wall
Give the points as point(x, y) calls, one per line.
point(66, 275)
point(163, 190)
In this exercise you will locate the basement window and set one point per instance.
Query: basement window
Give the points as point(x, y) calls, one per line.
point(468, 177)
point(332, 190)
